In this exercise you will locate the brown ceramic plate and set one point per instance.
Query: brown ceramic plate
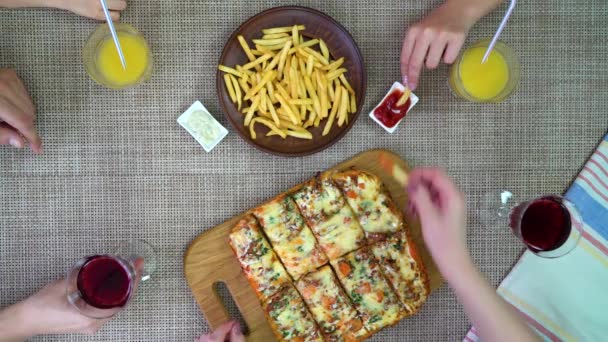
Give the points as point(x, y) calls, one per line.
point(318, 25)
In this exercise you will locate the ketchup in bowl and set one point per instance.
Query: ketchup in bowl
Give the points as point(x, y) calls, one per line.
point(388, 112)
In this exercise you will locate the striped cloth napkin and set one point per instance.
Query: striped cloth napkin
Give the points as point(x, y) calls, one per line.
point(566, 299)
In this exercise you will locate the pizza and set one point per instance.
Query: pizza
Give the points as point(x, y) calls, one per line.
point(375, 210)
point(330, 306)
point(291, 238)
point(371, 294)
point(331, 259)
point(289, 317)
point(330, 218)
point(404, 269)
point(260, 264)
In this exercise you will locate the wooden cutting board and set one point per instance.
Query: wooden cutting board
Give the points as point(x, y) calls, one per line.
point(210, 260)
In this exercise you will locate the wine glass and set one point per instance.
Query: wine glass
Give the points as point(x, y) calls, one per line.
point(100, 286)
point(548, 225)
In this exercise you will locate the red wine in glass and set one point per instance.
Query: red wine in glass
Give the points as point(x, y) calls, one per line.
point(100, 286)
point(546, 225)
point(105, 282)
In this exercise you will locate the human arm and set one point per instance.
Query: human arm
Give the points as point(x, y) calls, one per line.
point(441, 209)
point(17, 113)
point(86, 8)
point(440, 35)
point(46, 312)
point(229, 331)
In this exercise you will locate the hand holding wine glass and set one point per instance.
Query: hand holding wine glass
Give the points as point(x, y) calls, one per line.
point(46, 312)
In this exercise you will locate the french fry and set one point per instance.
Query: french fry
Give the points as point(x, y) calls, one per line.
point(294, 36)
point(403, 99)
point(237, 91)
point(229, 87)
point(268, 76)
point(317, 55)
point(300, 134)
point(268, 124)
point(283, 58)
point(269, 42)
point(229, 70)
point(309, 65)
point(252, 109)
point(257, 61)
point(272, 110)
point(313, 95)
point(322, 89)
point(346, 84)
point(342, 111)
point(331, 91)
point(300, 102)
point(275, 35)
point(263, 107)
point(244, 84)
point(246, 48)
point(286, 29)
point(324, 49)
point(292, 116)
point(305, 44)
point(270, 92)
point(334, 65)
point(334, 111)
point(332, 75)
point(353, 105)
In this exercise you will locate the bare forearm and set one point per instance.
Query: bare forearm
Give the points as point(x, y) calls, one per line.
point(473, 10)
point(12, 325)
point(494, 319)
point(30, 3)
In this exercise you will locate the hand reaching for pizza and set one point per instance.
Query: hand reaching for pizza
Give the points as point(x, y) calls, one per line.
point(441, 208)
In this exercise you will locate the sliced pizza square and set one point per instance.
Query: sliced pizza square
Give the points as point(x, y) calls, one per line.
point(291, 238)
point(330, 307)
point(289, 317)
point(260, 264)
point(331, 220)
point(376, 212)
point(319, 199)
point(373, 297)
point(404, 269)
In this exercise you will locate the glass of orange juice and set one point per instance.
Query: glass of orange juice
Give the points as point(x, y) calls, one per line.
point(492, 81)
point(103, 64)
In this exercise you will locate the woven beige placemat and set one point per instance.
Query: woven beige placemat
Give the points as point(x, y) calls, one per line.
point(117, 165)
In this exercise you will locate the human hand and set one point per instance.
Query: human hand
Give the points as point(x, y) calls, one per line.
point(17, 113)
point(92, 8)
point(441, 208)
point(46, 312)
point(440, 34)
point(230, 331)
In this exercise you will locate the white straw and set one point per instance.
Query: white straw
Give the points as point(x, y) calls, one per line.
point(114, 35)
point(502, 25)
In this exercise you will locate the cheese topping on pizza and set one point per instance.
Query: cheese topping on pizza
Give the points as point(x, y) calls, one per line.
point(377, 213)
point(331, 220)
point(292, 240)
point(400, 265)
point(330, 307)
point(369, 291)
point(260, 264)
point(290, 318)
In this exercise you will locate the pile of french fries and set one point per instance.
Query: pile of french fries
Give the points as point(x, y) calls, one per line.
point(290, 84)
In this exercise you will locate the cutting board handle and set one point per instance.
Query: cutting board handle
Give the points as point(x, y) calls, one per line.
point(215, 312)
